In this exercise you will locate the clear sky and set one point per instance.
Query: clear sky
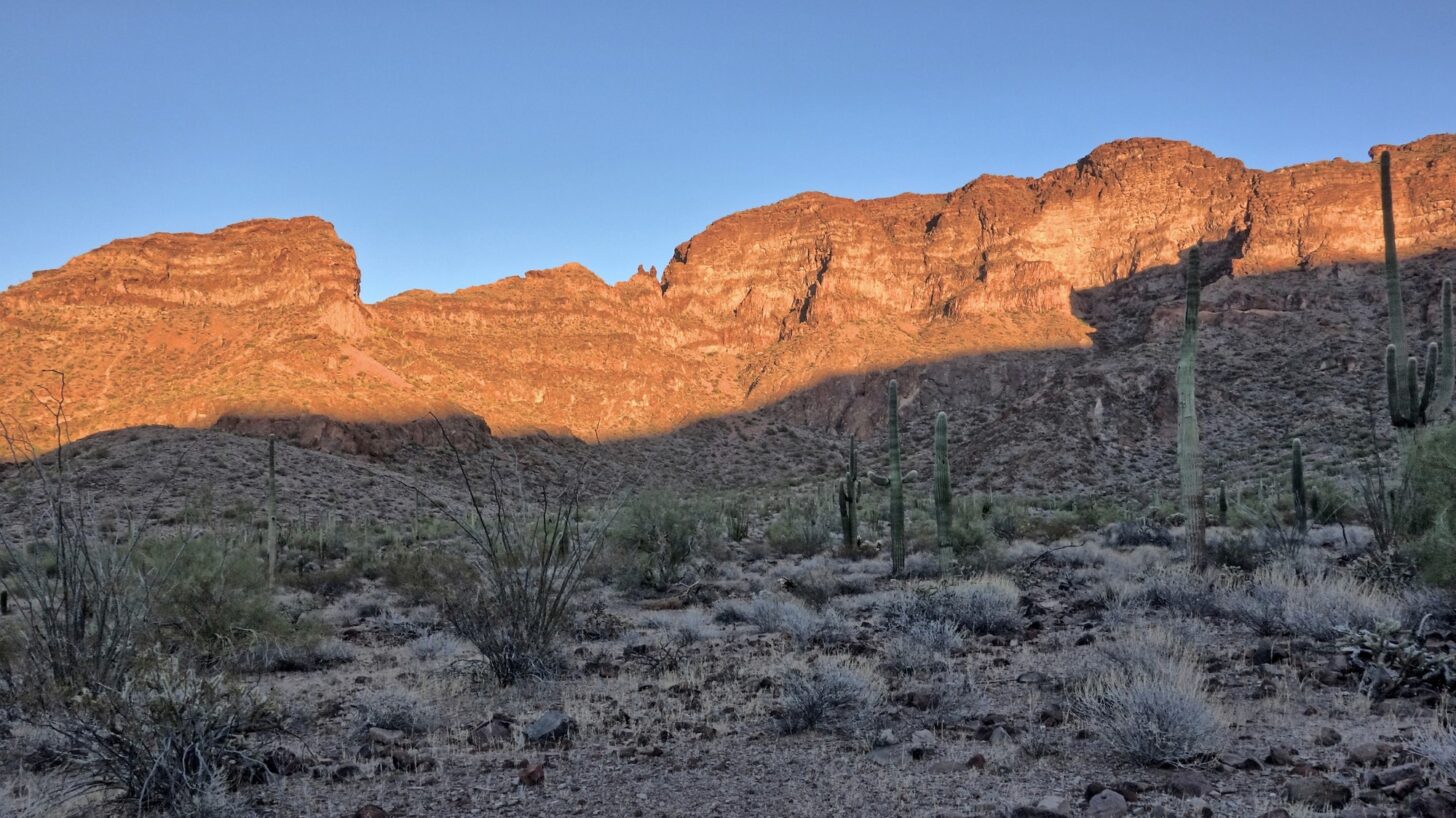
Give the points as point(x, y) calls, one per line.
point(457, 143)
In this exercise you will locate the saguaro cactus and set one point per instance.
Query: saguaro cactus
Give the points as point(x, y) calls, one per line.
point(897, 486)
point(942, 492)
point(1296, 480)
point(849, 489)
point(1190, 463)
point(1413, 403)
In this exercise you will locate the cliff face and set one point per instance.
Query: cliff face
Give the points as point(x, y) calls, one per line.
point(264, 317)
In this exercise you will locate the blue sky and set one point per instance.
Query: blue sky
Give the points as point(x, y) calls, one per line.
point(454, 144)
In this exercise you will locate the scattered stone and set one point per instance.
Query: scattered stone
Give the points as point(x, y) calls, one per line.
point(1317, 791)
point(492, 733)
point(552, 726)
point(1107, 804)
point(1370, 753)
point(1189, 784)
point(346, 772)
point(283, 761)
point(534, 775)
point(1282, 755)
point(922, 744)
point(1434, 804)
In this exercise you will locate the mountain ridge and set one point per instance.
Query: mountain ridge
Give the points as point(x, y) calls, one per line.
point(264, 317)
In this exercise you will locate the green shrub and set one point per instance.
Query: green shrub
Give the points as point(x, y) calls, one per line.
point(804, 527)
point(654, 539)
point(215, 598)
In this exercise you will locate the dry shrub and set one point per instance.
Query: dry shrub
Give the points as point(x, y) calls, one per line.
point(1152, 706)
point(827, 696)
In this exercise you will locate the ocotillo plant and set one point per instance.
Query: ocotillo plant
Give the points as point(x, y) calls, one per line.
point(1412, 407)
point(849, 489)
point(1296, 480)
point(1190, 464)
point(897, 486)
point(942, 492)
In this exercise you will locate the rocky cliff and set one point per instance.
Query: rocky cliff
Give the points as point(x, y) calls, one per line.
point(263, 319)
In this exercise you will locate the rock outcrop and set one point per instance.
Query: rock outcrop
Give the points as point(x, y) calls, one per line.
point(263, 319)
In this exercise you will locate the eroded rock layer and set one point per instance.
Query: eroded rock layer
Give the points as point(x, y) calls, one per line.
point(263, 319)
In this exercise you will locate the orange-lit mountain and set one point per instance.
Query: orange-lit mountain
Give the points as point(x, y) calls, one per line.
point(264, 317)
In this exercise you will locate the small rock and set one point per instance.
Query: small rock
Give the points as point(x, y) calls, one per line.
point(1189, 784)
point(1107, 804)
point(922, 744)
point(1317, 791)
point(346, 772)
point(551, 727)
point(1282, 755)
point(1370, 753)
point(492, 733)
point(1327, 737)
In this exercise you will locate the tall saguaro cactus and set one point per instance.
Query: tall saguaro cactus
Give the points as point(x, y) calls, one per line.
point(897, 486)
point(942, 492)
point(1414, 400)
point(1296, 480)
point(849, 489)
point(1190, 462)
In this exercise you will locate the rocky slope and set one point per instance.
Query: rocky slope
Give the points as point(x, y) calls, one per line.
point(789, 310)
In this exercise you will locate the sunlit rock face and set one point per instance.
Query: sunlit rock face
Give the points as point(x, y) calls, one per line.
point(263, 319)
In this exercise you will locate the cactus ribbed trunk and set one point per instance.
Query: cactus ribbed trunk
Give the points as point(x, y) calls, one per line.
point(1446, 369)
point(897, 486)
point(1395, 305)
point(1296, 480)
point(1190, 465)
point(272, 513)
point(942, 493)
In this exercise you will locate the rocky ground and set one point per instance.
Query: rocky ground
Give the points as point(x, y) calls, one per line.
point(703, 701)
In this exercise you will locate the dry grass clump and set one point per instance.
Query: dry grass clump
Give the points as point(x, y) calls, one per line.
point(397, 710)
point(171, 741)
point(1317, 605)
point(771, 614)
point(1438, 747)
point(1152, 706)
point(923, 646)
point(435, 646)
point(988, 605)
point(827, 696)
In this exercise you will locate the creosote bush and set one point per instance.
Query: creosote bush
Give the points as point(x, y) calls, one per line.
point(654, 539)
